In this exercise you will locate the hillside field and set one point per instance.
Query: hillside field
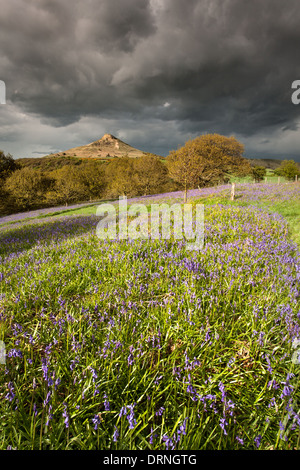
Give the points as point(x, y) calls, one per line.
point(142, 344)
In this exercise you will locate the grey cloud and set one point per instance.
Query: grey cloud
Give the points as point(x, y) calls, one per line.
point(223, 65)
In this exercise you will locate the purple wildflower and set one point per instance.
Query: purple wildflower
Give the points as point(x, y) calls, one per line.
point(230, 406)
point(15, 353)
point(122, 411)
point(131, 418)
point(106, 403)
point(96, 421)
point(45, 369)
point(47, 400)
point(257, 440)
point(66, 416)
point(223, 423)
point(240, 440)
point(50, 416)
point(222, 389)
point(116, 434)
point(281, 425)
point(94, 374)
point(152, 436)
point(182, 430)
point(10, 395)
point(129, 413)
point(168, 442)
point(57, 383)
point(160, 411)
point(130, 358)
point(287, 390)
point(157, 380)
point(73, 363)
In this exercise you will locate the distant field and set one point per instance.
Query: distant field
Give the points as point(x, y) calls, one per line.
point(144, 345)
point(269, 178)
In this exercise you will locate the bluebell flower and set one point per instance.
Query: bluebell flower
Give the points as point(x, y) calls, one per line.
point(257, 440)
point(116, 434)
point(152, 436)
point(130, 358)
point(66, 416)
point(15, 353)
point(223, 423)
point(47, 400)
point(122, 411)
point(222, 389)
point(168, 442)
point(287, 390)
point(160, 411)
point(131, 418)
point(281, 426)
point(10, 395)
point(129, 413)
point(106, 403)
point(182, 428)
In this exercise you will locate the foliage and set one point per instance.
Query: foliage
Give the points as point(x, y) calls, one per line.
point(7, 165)
point(152, 174)
point(207, 160)
point(93, 179)
point(121, 177)
point(258, 173)
point(69, 186)
point(27, 187)
point(49, 163)
point(288, 169)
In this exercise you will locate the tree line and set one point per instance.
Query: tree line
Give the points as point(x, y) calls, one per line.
point(205, 161)
point(24, 187)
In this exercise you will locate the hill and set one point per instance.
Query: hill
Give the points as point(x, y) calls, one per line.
point(270, 163)
point(104, 149)
point(108, 146)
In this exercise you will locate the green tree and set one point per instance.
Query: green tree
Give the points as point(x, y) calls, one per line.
point(206, 160)
point(7, 165)
point(27, 187)
point(122, 177)
point(69, 185)
point(289, 169)
point(93, 178)
point(152, 174)
point(258, 173)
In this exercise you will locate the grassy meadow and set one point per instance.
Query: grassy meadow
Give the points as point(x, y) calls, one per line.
point(142, 344)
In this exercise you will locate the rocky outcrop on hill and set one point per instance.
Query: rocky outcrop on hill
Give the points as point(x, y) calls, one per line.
point(107, 147)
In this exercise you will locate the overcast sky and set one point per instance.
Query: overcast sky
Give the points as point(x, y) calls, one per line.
point(154, 73)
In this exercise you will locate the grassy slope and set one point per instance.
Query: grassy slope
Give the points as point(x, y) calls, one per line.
point(290, 210)
point(196, 347)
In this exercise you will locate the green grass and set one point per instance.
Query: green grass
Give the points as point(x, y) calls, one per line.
point(88, 210)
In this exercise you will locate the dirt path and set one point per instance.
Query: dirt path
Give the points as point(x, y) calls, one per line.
point(35, 213)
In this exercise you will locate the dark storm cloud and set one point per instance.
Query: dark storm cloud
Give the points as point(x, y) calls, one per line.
point(232, 64)
point(58, 59)
point(221, 65)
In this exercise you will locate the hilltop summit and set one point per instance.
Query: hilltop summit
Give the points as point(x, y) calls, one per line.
point(107, 147)
point(108, 138)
